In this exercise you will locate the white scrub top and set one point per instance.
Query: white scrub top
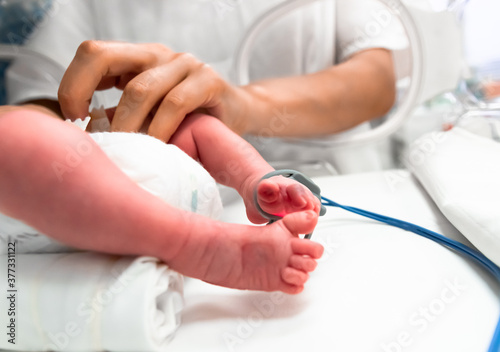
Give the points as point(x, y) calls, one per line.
point(310, 39)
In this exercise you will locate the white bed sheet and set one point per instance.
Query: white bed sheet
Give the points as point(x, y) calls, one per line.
point(376, 288)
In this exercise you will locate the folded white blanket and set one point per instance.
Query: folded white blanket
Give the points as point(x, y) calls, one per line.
point(90, 302)
point(461, 172)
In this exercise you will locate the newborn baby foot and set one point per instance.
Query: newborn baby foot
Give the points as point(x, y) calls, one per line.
point(279, 196)
point(266, 258)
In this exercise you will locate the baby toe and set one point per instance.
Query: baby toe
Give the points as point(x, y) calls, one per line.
point(301, 222)
point(294, 277)
point(307, 247)
point(292, 289)
point(268, 191)
point(298, 196)
point(300, 262)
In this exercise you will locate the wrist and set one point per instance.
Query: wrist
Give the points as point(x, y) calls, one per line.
point(259, 107)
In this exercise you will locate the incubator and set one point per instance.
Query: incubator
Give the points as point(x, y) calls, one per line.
point(377, 288)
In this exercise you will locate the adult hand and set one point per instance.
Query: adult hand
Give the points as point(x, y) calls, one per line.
point(156, 82)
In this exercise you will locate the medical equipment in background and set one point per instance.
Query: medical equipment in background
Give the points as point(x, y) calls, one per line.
point(473, 104)
point(435, 51)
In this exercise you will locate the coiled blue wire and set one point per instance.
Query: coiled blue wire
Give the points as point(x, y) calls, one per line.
point(452, 244)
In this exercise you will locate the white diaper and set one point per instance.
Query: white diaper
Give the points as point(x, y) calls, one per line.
point(164, 170)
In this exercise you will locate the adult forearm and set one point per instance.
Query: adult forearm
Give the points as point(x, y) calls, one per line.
point(326, 102)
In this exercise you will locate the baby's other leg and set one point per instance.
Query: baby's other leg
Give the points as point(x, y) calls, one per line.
point(232, 161)
point(279, 196)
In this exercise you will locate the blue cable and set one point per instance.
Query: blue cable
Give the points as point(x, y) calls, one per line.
point(445, 241)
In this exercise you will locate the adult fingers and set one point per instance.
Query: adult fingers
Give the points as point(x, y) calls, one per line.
point(201, 89)
point(96, 60)
point(145, 91)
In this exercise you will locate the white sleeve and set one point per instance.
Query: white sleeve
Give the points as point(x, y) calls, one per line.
point(365, 24)
point(38, 69)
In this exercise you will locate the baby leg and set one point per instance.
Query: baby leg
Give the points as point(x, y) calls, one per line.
point(267, 258)
point(233, 162)
point(55, 178)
